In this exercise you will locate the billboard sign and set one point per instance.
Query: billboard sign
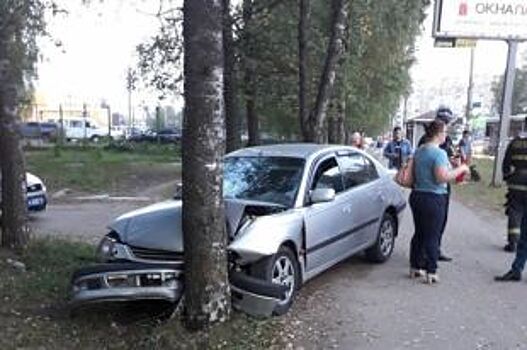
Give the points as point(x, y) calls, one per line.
point(498, 19)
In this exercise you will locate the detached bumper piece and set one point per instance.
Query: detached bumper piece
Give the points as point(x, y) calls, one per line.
point(135, 281)
point(254, 296)
point(125, 282)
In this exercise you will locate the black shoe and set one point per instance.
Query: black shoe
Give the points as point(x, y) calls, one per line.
point(510, 247)
point(511, 276)
point(444, 258)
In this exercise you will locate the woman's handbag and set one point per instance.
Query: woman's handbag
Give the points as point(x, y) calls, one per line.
point(405, 175)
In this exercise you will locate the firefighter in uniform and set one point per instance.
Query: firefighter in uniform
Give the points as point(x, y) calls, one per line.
point(514, 169)
point(515, 174)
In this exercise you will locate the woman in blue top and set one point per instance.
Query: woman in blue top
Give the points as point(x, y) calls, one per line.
point(428, 201)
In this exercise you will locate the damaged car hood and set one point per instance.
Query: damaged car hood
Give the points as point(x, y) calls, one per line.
point(159, 226)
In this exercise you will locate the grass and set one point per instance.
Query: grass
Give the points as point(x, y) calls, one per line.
point(34, 312)
point(481, 194)
point(98, 169)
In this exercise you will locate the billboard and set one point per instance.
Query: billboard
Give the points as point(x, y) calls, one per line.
point(499, 19)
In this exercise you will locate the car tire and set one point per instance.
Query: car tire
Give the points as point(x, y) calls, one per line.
point(382, 249)
point(282, 268)
point(95, 139)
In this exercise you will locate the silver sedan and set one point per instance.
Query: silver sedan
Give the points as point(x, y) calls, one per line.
point(292, 211)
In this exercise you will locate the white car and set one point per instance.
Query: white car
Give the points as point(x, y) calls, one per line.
point(36, 193)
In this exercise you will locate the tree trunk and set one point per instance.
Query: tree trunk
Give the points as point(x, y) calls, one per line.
point(15, 232)
point(250, 76)
point(303, 37)
point(207, 294)
point(340, 128)
point(332, 136)
point(335, 49)
point(232, 116)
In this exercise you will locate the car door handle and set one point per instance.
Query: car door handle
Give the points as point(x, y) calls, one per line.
point(347, 209)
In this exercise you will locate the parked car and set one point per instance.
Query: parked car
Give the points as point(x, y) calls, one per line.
point(169, 135)
point(36, 193)
point(292, 211)
point(146, 136)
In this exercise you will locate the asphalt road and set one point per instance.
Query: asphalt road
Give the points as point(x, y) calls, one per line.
point(357, 305)
point(86, 221)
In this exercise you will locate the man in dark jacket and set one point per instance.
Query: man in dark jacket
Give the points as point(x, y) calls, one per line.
point(398, 150)
point(514, 169)
point(446, 116)
point(515, 173)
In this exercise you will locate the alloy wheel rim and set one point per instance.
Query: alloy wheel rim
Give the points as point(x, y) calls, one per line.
point(386, 237)
point(284, 273)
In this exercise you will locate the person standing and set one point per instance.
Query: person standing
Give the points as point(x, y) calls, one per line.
point(398, 150)
point(514, 169)
point(515, 174)
point(356, 140)
point(428, 201)
point(445, 115)
point(465, 148)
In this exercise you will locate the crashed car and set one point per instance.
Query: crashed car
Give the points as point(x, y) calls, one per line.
point(292, 211)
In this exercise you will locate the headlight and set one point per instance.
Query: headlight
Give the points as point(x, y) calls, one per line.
point(106, 249)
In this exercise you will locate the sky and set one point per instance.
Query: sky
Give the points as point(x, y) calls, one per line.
point(98, 46)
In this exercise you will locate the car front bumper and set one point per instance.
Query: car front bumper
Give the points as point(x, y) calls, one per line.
point(36, 201)
point(114, 282)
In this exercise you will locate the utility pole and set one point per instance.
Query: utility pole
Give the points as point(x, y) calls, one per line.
point(85, 117)
point(506, 103)
point(130, 85)
point(61, 121)
point(470, 86)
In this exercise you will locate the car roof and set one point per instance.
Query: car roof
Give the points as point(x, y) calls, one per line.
point(293, 150)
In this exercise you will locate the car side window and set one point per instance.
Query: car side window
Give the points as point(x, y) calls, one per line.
point(328, 175)
point(356, 170)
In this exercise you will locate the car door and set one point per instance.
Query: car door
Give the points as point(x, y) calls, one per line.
point(324, 222)
point(363, 193)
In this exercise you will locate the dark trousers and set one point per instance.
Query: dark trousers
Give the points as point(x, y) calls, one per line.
point(443, 225)
point(429, 212)
point(521, 251)
point(514, 211)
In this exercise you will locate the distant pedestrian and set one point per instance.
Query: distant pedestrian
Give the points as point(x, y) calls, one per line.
point(465, 148)
point(398, 150)
point(356, 140)
point(428, 201)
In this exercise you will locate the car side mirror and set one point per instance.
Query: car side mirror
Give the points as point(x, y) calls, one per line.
point(321, 195)
point(178, 193)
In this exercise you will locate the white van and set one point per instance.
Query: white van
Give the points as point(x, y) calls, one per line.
point(77, 129)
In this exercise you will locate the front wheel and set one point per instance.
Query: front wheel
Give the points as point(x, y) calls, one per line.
point(382, 249)
point(280, 268)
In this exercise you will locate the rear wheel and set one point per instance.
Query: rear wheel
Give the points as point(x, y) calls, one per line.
point(382, 249)
point(280, 268)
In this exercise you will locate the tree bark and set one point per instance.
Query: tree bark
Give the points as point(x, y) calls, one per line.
point(335, 49)
point(250, 76)
point(15, 232)
point(303, 37)
point(232, 116)
point(340, 127)
point(207, 294)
